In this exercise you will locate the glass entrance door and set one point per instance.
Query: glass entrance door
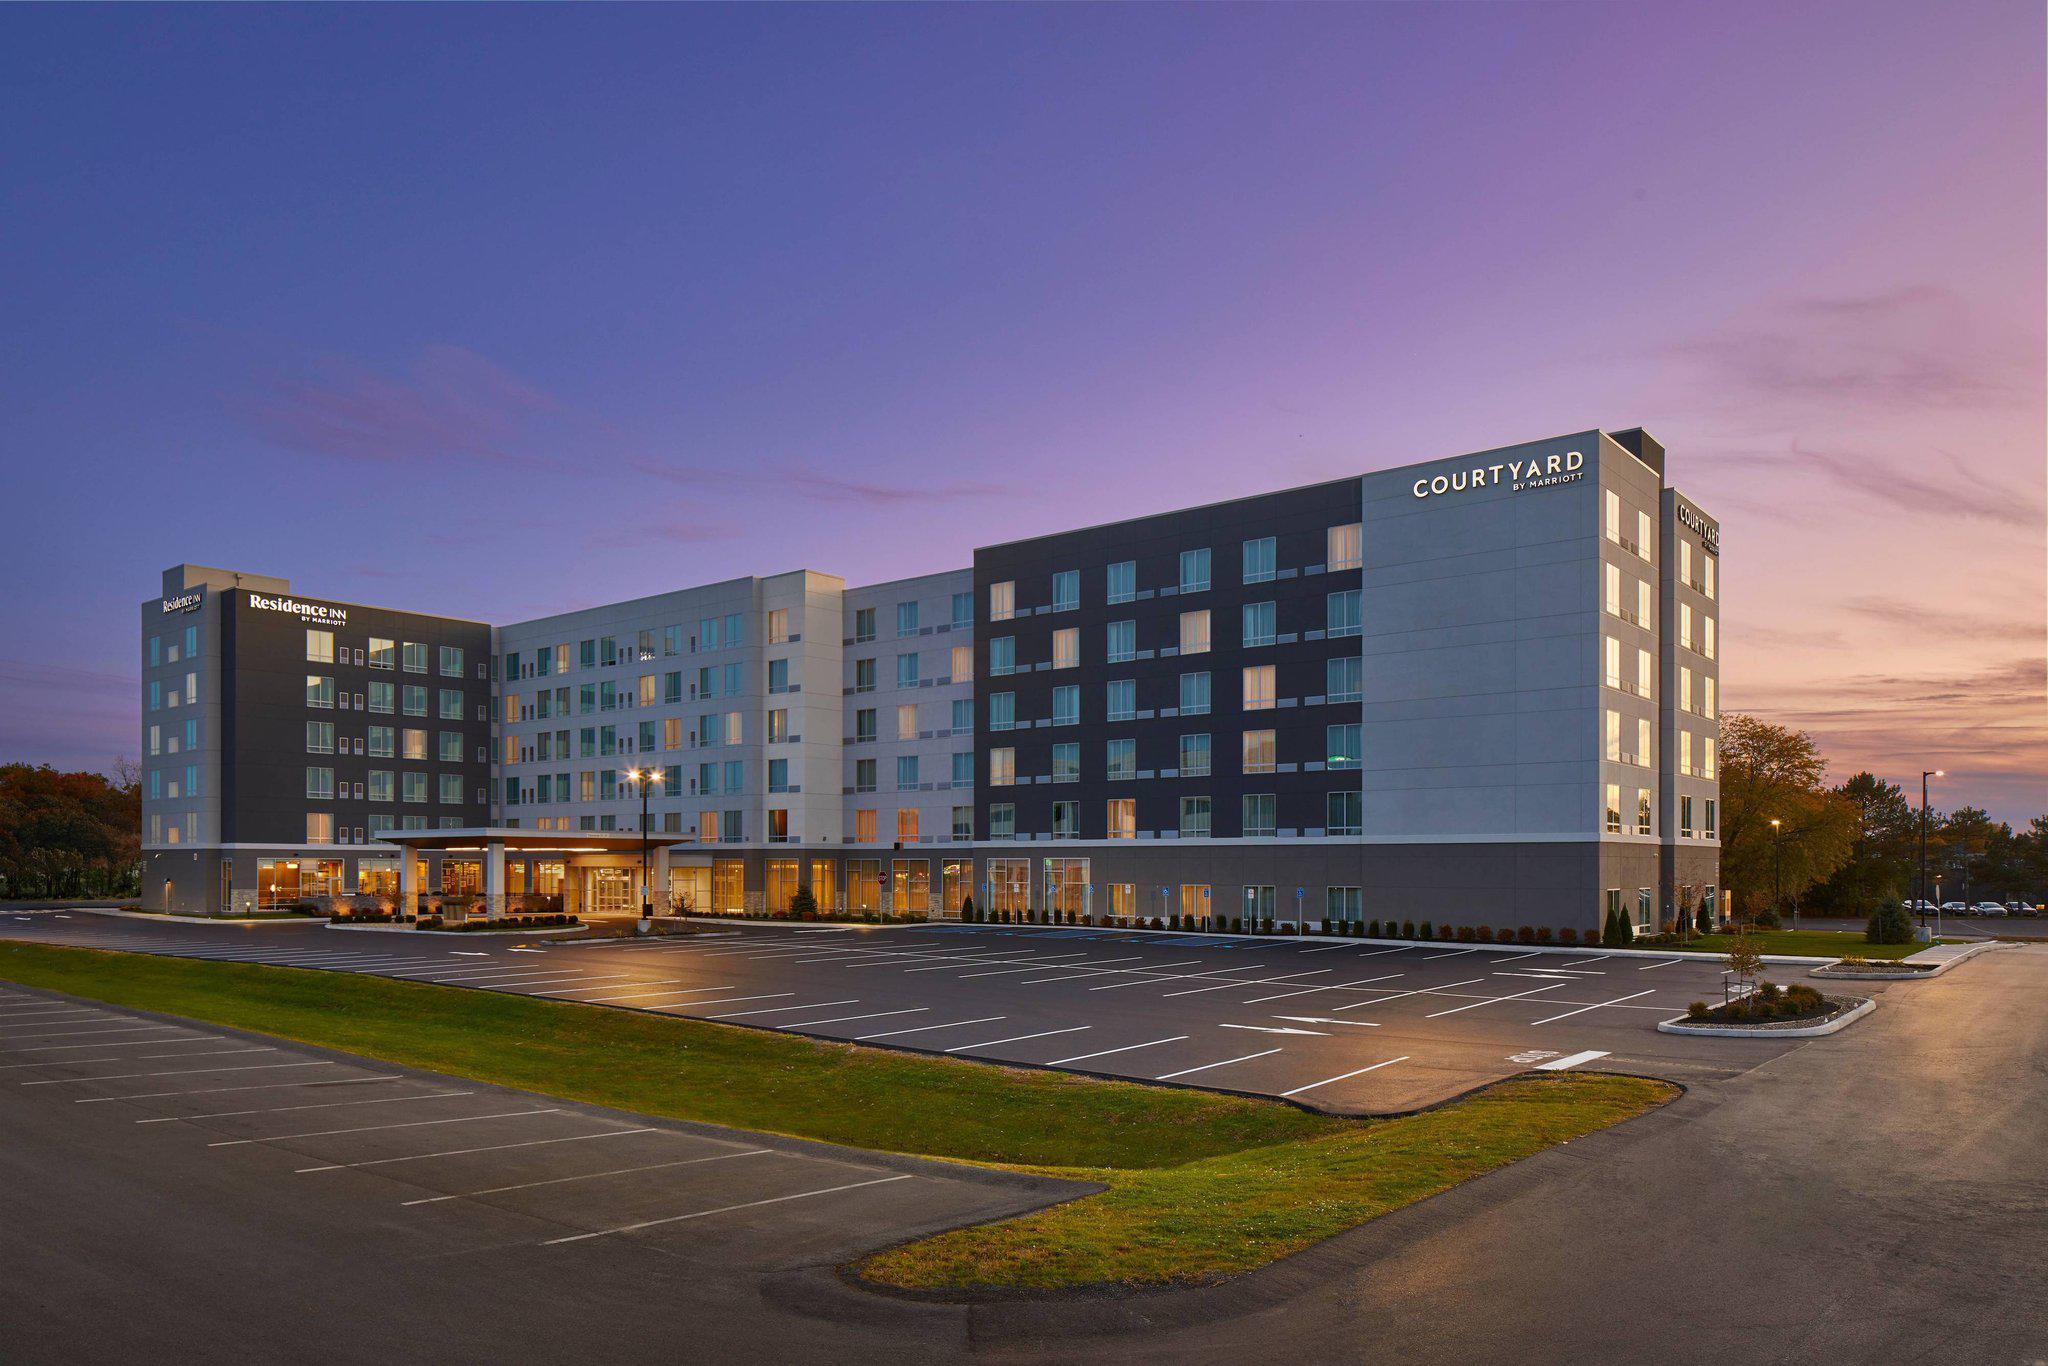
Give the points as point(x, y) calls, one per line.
point(611, 891)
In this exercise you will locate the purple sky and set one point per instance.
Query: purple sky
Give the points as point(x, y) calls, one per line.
point(365, 296)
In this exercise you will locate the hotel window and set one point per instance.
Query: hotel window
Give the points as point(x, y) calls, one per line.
point(1194, 818)
point(671, 689)
point(1610, 502)
point(1613, 750)
point(1259, 688)
point(778, 729)
point(1643, 617)
point(1123, 818)
point(1346, 549)
point(1066, 590)
point(319, 827)
point(1344, 814)
point(1123, 581)
point(1685, 817)
point(863, 775)
point(1002, 601)
point(1613, 651)
point(863, 625)
point(319, 647)
point(1002, 709)
point(1643, 741)
point(1066, 647)
point(1642, 811)
point(906, 773)
point(1066, 705)
point(906, 670)
point(383, 742)
point(607, 787)
point(1066, 820)
point(451, 705)
point(1002, 821)
point(607, 696)
point(906, 721)
point(1614, 808)
point(156, 740)
point(1706, 624)
point(962, 663)
point(1612, 575)
point(1685, 752)
point(191, 688)
point(671, 645)
point(963, 610)
point(1258, 814)
point(1122, 699)
point(1706, 756)
point(864, 724)
point(778, 776)
point(778, 626)
point(863, 675)
point(963, 769)
point(1684, 688)
point(1684, 561)
point(1344, 614)
point(416, 744)
point(1194, 632)
point(413, 700)
point(1707, 693)
point(414, 657)
point(1644, 687)
point(963, 829)
point(1707, 565)
point(1345, 745)
point(1002, 656)
point(1344, 678)
point(1194, 756)
point(1259, 623)
point(156, 694)
point(1712, 828)
point(1643, 534)
point(451, 661)
point(451, 789)
point(906, 825)
point(1259, 748)
point(1120, 760)
point(906, 618)
point(1066, 762)
point(866, 826)
point(1002, 768)
point(319, 737)
point(319, 691)
point(451, 746)
point(649, 688)
point(1194, 571)
point(1259, 560)
point(1122, 637)
point(382, 788)
point(156, 651)
point(1344, 903)
point(320, 784)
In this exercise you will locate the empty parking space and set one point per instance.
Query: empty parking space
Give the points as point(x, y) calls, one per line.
point(1347, 1025)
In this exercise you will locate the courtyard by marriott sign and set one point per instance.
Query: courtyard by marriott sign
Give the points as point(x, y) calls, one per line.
point(1540, 472)
point(304, 611)
point(1710, 535)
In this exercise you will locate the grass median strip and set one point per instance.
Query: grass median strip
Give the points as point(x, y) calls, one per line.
point(1200, 1186)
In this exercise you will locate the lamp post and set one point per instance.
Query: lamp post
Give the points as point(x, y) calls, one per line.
point(1777, 864)
point(642, 778)
point(1925, 774)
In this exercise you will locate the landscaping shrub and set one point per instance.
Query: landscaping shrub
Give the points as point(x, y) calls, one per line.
point(1889, 925)
point(1526, 935)
point(803, 904)
point(1484, 934)
point(1543, 934)
point(1505, 934)
point(1423, 931)
point(1465, 934)
point(1696, 1011)
point(1568, 935)
point(1803, 998)
point(1446, 931)
point(1703, 921)
point(1237, 924)
point(1768, 919)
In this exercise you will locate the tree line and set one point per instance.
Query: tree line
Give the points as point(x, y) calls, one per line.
point(1846, 849)
point(69, 834)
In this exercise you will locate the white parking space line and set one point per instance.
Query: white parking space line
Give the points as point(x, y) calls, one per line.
point(1665, 964)
point(614, 986)
point(925, 1029)
point(1374, 953)
point(98, 1031)
point(1359, 1072)
point(177, 1072)
point(1397, 995)
point(1241, 982)
point(636, 994)
point(774, 1010)
point(587, 1176)
point(1190, 1071)
point(379, 1128)
point(322, 1105)
point(125, 1043)
point(1019, 1038)
point(724, 1001)
point(16, 1012)
point(464, 1152)
point(218, 1090)
point(28, 1023)
point(132, 1057)
point(1452, 954)
point(1595, 1006)
point(1334, 986)
point(1127, 1048)
point(1326, 948)
point(725, 1209)
point(1561, 1064)
point(845, 1019)
point(1494, 1000)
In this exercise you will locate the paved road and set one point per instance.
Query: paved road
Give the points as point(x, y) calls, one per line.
point(1883, 1198)
point(1349, 1026)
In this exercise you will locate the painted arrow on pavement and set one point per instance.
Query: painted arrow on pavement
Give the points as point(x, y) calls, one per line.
point(1276, 1029)
point(1318, 1019)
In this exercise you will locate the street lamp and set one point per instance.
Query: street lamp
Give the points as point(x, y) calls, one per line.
point(1925, 774)
point(1777, 864)
point(643, 778)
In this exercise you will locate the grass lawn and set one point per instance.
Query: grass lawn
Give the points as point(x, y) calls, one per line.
point(1200, 1185)
point(1808, 943)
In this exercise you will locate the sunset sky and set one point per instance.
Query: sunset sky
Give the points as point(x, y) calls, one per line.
point(333, 293)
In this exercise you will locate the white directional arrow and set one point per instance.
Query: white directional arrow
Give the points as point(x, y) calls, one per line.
point(1276, 1029)
point(1318, 1019)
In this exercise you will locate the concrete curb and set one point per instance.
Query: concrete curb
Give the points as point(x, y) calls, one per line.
point(163, 919)
point(459, 934)
point(1840, 1022)
point(1361, 941)
point(1915, 976)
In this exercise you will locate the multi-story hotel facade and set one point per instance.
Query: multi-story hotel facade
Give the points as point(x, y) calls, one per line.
point(1479, 690)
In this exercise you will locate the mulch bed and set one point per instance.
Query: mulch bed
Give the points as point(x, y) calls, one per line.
point(1831, 1007)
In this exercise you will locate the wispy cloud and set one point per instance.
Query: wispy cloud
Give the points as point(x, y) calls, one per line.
point(660, 533)
point(1946, 486)
point(1933, 625)
point(826, 487)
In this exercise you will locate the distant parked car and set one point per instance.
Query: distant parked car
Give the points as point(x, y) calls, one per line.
point(1987, 908)
point(1918, 906)
point(2021, 908)
point(1954, 908)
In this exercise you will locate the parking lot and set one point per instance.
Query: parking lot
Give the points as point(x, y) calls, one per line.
point(1350, 1026)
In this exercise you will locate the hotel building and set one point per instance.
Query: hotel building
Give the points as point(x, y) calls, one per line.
point(1478, 690)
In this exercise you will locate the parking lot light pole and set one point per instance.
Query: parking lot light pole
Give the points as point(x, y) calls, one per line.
point(1777, 864)
point(1925, 774)
point(641, 777)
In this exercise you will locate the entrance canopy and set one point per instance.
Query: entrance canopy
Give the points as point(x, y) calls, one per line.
point(478, 839)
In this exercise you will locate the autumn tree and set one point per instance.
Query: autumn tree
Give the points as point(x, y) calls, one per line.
point(1769, 772)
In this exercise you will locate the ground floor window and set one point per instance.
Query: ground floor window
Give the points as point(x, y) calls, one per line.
point(782, 884)
point(1009, 885)
point(325, 877)
point(515, 877)
point(728, 886)
point(1258, 903)
point(911, 885)
point(689, 888)
point(956, 882)
point(1123, 900)
point(277, 882)
point(1614, 901)
point(377, 876)
point(1344, 903)
point(864, 884)
point(1195, 900)
point(1066, 886)
point(461, 877)
point(1646, 909)
point(825, 884)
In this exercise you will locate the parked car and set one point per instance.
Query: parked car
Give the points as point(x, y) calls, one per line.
point(1954, 908)
point(1918, 906)
point(1987, 908)
point(2022, 908)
